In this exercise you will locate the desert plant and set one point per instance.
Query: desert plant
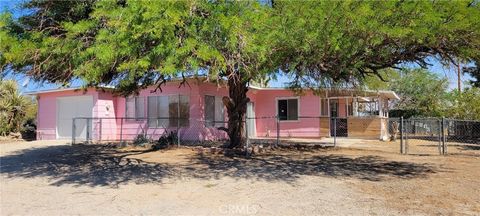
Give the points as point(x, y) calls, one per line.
point(141, 139)
point(166, 140)
point(15, 108)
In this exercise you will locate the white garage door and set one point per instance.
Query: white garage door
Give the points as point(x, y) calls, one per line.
point(69, 108)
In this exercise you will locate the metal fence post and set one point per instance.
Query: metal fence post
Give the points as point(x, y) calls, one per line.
point(247, 144)
point(444, 138)
point(73, 131)
point(100, 131)
point(178, 129)
point(278, 131)
point(440, 137)
point(178, 121)
point(88, 130)
point(121, 130)
point(402, 144)
point(406, 139)
point(335, 132)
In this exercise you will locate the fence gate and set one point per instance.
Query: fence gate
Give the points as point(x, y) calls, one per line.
point(423, 137)
point(432, 136)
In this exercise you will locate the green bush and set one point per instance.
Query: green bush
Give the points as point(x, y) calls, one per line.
point(15, 108)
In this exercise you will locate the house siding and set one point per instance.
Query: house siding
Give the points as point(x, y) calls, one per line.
point(266, 106)
point(112, 108)
point(47, 111)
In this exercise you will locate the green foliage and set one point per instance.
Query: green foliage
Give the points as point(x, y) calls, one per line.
point(389, 76)
point(421, 92)
point(424, 93)
point(464, 105)
point(140, 43)
point(474, 71)
point(322, 42)
point(135, 44)
point(15, 109)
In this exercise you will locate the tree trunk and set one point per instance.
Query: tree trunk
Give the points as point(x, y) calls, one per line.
point(236, 108)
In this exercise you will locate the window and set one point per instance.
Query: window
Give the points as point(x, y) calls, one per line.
point(135, 107)
point(287, 109)
point(368, 107)
point(323, 107)
point(349, 106)
point(168, 111)
point(214, 111)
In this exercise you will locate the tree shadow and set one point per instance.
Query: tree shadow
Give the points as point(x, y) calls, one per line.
point(95, 165)
point(82, 165)
point(288, 168)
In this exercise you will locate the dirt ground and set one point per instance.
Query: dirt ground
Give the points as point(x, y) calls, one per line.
point(50, 177)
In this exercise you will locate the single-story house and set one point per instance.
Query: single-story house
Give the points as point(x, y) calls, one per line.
point(196, 111)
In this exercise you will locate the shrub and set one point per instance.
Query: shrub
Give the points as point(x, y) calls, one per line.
point(28, 130)
point(166, 140)
point(141, 139)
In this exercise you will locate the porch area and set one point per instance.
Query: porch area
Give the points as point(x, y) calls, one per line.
point(339, 113)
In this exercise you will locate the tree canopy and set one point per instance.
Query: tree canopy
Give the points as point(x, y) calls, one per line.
point(426, 94)
point(421, 92)
point(135, 44)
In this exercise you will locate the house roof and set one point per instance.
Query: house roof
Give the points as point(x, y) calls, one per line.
point(61, 90)
point(338, 92)
point(344, 92)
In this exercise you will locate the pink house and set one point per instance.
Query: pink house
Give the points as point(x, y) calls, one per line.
point(196, 111)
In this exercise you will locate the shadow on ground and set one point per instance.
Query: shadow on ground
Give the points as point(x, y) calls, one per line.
point(104, 166)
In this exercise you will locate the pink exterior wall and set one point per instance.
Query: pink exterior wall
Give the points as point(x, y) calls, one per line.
point(106, 106)
point(196, 131)
point(266, 106)
point(47, 111)
point(342, 111)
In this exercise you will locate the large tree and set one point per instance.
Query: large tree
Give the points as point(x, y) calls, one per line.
point(473, 71)
point(133, 44)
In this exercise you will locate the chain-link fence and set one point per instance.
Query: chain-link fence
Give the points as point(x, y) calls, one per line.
point(430, 136)
point(423, 136)
point(173, 130)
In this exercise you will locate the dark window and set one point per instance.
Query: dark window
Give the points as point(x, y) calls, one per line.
point(134, 107)
point(287, 109)
point(168, 111)
point(214, 111)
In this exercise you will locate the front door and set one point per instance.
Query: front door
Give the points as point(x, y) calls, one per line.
point(338, 126)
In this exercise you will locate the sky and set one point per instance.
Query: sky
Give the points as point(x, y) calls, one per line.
point(28, 85)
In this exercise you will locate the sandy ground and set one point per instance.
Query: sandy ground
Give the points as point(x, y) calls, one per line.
point(51, 178)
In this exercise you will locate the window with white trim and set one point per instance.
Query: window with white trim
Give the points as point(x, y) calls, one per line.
point(168, 111)
point(287, 109)
point(135, 107)
point(214, 111)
